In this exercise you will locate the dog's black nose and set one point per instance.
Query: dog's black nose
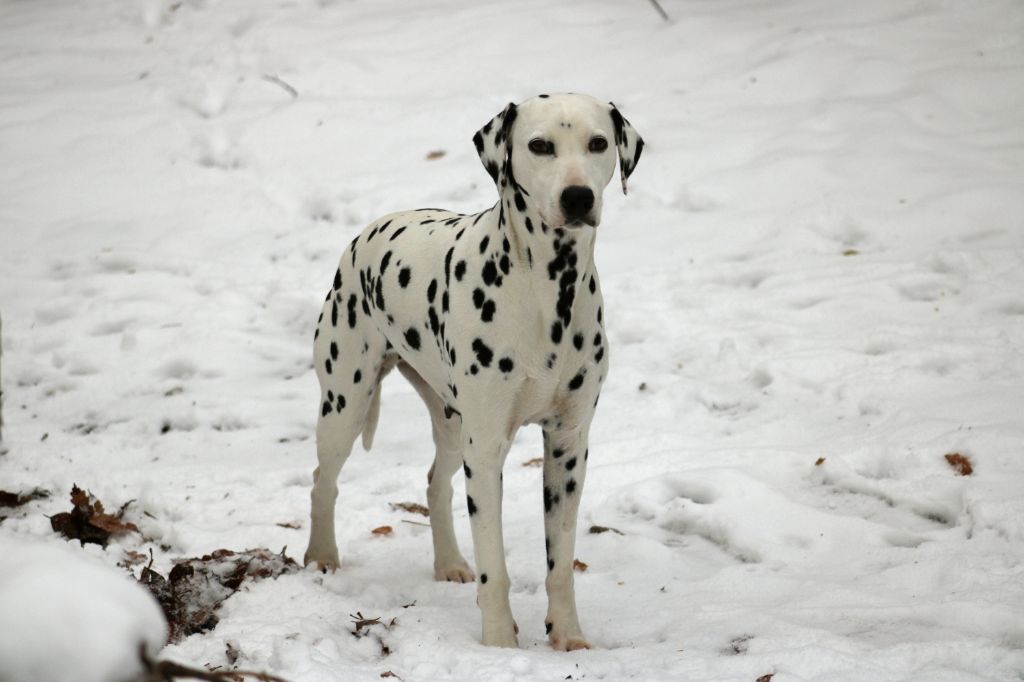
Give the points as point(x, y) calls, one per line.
point(577, 202)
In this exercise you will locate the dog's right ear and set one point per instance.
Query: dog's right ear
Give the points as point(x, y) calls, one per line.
point(492, 144)
point(628, 143)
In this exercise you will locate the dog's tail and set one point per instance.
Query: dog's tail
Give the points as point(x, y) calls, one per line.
point(372, 415)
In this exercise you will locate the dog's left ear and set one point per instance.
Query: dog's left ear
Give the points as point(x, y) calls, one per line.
point(492, 144)
point(628, 143)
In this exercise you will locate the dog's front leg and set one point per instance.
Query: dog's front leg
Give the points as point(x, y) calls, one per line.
point(483, 462)
point(565, 466)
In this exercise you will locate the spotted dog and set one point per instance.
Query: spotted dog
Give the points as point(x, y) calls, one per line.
point(496, 320)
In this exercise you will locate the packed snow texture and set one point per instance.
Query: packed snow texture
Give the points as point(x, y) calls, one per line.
point(821, 257)
point(67, 617)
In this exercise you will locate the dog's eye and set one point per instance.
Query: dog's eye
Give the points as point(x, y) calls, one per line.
point(597, 144)
point(539, 146)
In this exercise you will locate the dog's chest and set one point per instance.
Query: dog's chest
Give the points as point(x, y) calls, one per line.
point(483, 315)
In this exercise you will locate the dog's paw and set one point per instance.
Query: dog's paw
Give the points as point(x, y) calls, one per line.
point(457, 572)
point(324, 561)
point(566, 641)
point(503, 637)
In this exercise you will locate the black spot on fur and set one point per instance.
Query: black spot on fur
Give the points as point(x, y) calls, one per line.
point(385, 259)
point(352, 311)
point(412, 337)
point(483, 578)
point(469, 472)
point(570, 486)
point(326, 409)
point(484, 242)
point(506, 365)
point(357, 377)
point(341, 403)
point(334, 351)
point(487, 312)
point(577, 340)
point(397, 232)
point(576, 382)
point(404, 275)
point(327, 365)
point(570, 464)
point(556, 332)
point(460, 270)
point(551, 564)
point(593, 284)
point(551, 499)
point(599, 354)
point(484, 354)
point(432, 291)
point(337, 279)
point(470, 505)
point(489, 273)
point(547, 626)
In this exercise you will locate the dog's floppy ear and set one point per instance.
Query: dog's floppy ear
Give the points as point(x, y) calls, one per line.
point(492, 144)
point(628, 143)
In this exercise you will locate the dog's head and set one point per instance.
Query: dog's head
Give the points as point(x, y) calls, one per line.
point(556, 152)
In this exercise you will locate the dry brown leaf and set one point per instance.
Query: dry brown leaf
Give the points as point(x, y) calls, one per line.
point(851, 252)
point(578, 565)
point(961, 463)
point(194, 588)
point(604, 529)
point(411, 507)
point(383, 530)
point(535, 462)
point(819, 461)
point(435, 154)
point(766, 678)
point(87, 521)
point(291, 525)
point(8, 499)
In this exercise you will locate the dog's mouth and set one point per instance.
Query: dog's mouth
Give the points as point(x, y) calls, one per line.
point(577, 223)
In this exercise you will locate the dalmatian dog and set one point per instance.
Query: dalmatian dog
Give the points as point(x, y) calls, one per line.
point(496, 320)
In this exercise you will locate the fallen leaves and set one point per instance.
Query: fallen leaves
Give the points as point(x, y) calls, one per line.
point(9, 500)
point(596, 530)
point(578, 565)
point(535, 462)
point(382, 531)
point(818, 462)
point(766, 678)
point(435, 154)
point(195, 588)
point(961, 464)
point(363, 623)
point(88, 521)
point(411, 507)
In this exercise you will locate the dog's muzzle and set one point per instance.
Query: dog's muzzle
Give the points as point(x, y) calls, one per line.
point(577, 202)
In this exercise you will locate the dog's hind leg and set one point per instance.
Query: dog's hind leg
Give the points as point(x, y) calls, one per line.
point(349, 367)
point(449, 563)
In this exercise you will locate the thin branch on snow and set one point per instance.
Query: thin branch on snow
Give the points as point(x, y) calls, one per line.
point(660, 10)
point(287, 87)
point(168, 671)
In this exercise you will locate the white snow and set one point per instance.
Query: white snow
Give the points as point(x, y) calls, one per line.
point(66, 617)
point(171, 217)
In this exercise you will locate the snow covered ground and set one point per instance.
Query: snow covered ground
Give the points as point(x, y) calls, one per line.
point(821, 256)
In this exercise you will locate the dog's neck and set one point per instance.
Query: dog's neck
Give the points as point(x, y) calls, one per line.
point(559, 261)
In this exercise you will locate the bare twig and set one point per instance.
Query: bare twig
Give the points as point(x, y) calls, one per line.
point(658, 8)
point(167, 671)
point(287, 88)
point(1, 383)
point(415, 523)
